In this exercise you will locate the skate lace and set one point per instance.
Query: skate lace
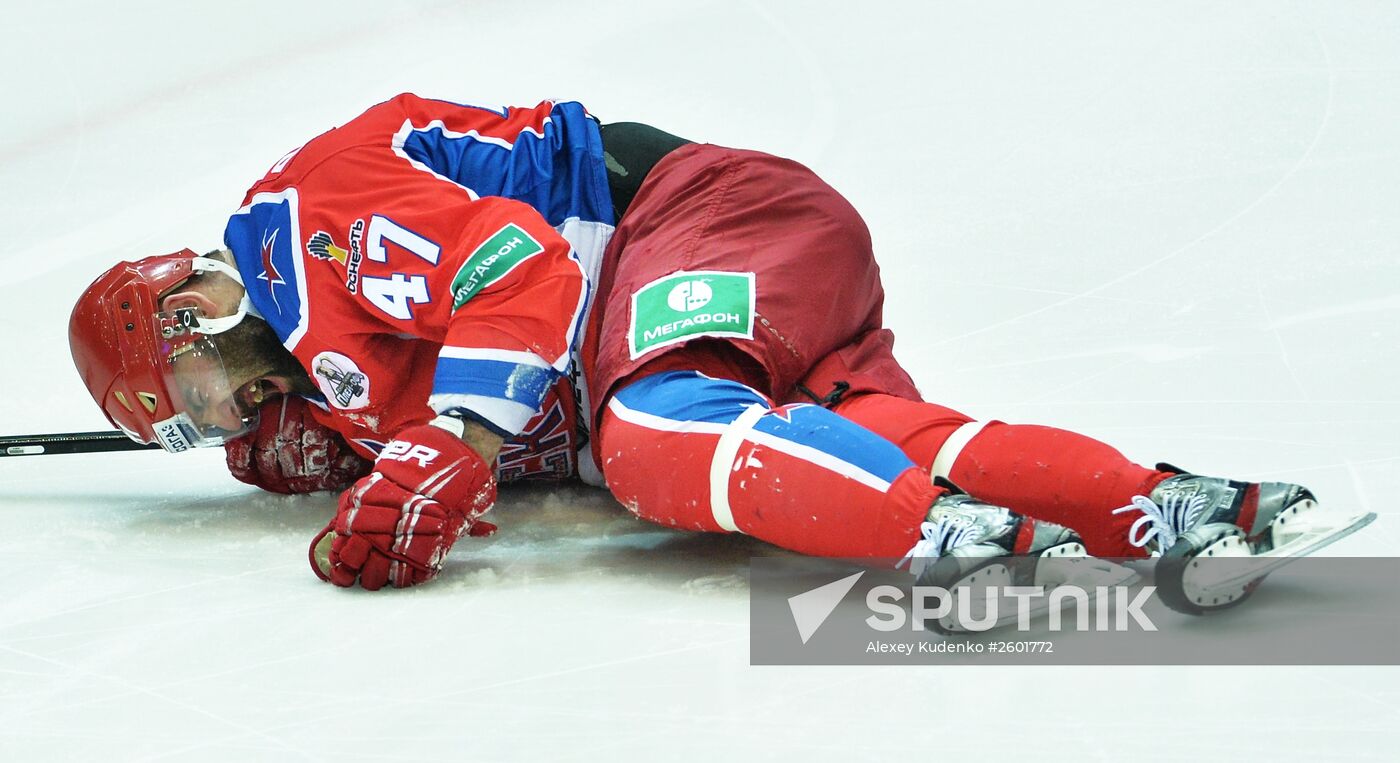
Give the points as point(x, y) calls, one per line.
point(1166, 522)
point(939, 537)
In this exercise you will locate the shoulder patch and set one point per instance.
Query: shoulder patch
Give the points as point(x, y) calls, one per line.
point(341, 380)
point(492, 261)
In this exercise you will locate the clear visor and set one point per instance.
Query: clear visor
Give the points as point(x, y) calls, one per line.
point(209, 411)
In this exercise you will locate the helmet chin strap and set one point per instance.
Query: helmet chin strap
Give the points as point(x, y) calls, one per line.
point(245, 306)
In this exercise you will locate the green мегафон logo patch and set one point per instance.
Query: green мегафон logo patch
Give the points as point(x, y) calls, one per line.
point(491, 261)
point(685, 305)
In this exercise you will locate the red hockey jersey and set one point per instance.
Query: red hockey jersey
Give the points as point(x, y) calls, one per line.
point(432, 257)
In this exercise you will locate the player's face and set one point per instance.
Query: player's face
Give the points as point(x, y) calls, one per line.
point(214, 401)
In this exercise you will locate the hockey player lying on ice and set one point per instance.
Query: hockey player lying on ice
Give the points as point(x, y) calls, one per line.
point(470, 295)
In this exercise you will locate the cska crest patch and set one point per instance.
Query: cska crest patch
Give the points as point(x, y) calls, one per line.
point(322, 246)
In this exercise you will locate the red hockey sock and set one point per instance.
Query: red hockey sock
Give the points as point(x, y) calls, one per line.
point(1057, 475)
point(1042, 472)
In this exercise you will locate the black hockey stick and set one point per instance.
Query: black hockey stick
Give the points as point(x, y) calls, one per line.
point(71, 442)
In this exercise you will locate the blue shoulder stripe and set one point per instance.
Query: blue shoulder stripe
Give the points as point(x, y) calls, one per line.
point(265, 238)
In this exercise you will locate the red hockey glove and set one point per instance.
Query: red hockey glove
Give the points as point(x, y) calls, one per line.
point(396, 524)
point(291, 452)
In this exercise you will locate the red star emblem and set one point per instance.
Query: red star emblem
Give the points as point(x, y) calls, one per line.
point(270, 273)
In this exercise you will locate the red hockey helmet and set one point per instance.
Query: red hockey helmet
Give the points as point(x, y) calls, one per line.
point(154, 373)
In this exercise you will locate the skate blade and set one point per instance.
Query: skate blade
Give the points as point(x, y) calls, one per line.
point(1095, 577)
point(1209, 584)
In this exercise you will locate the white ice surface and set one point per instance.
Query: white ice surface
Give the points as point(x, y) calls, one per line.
point(1175, 226)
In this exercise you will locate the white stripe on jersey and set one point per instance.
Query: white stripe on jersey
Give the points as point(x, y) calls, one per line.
point(518, 357)
point(506, 415)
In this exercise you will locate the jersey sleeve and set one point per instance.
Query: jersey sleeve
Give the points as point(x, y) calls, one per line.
point(517, 295)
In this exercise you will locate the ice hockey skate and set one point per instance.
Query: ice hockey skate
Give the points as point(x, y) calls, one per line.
point(969, 546)
point(1253, 528)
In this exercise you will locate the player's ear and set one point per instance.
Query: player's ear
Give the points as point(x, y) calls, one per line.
point(189, 298)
